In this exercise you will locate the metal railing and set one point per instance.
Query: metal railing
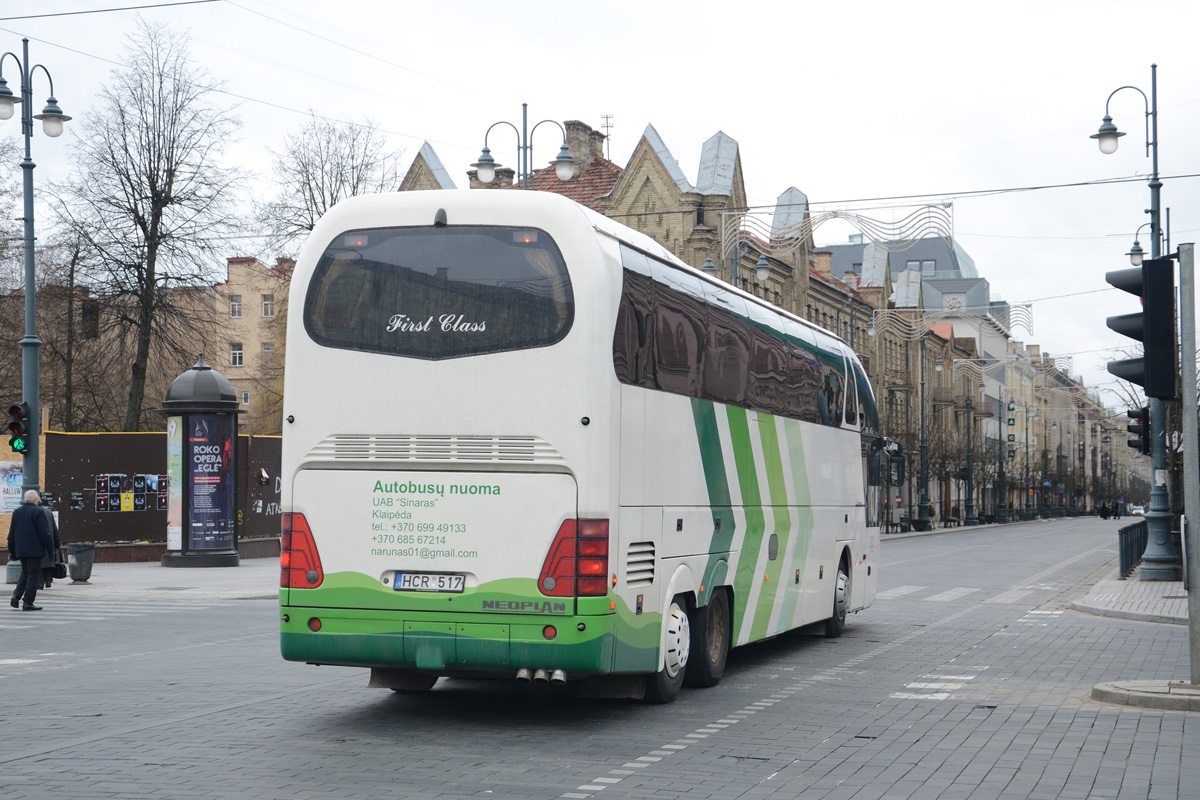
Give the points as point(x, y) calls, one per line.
point(1131, 543)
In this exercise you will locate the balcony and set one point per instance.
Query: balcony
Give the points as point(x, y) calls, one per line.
point(898, 380)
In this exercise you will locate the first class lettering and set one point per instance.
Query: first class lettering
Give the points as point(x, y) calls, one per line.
point(447, 323)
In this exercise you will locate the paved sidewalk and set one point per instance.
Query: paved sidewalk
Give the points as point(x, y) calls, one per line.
point(253, 579)
point(1146, 601)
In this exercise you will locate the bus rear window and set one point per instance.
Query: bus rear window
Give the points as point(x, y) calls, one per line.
point(439, 292)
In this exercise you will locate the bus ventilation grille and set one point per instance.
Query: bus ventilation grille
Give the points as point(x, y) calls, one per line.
point(435, 449)
point(639, 564)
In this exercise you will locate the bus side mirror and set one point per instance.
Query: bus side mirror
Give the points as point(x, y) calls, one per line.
point(897, 470)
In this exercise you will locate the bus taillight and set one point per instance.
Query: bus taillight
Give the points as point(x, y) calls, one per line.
point(592, 564)
point(299, 561)
point(577, 562)
point(557, 578)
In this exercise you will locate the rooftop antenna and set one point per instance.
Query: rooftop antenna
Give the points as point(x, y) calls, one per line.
point(608, 126)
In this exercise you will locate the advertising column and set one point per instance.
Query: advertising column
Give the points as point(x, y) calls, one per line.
point(201, 493)
point(210, 482)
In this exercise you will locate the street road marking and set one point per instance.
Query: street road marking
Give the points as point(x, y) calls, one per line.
point(7, 662)
point(733, 718)
point(899, 591)
point(952, 594)
point(1011, 596)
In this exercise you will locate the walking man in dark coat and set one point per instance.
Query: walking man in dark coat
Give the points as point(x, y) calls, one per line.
point(29, 541)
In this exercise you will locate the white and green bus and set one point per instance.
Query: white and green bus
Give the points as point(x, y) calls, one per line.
point(522, 440)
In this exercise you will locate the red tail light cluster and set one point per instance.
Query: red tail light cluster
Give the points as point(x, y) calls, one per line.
point(299, 561)
point(577, 562)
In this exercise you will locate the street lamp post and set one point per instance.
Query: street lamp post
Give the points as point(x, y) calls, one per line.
point(52, 119)
point(922, 522)
point(1160, 562)
point(971, 519)
point(564, 164)
point(1002, 455)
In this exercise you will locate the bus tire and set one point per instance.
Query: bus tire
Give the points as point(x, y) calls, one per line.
point(663, 686)
point(841, 599)
point(710, 641)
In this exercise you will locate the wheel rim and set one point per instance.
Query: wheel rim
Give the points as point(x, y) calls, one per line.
point(839, 595)
point(677, 640)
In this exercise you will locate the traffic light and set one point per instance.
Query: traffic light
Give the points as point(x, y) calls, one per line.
point(1154, 327)
point(18, 428)
point(1140, 428)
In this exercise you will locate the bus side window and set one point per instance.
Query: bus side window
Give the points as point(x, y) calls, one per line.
point(727, 352)
point(679, 326)
point(851, 397)
point(632, 338)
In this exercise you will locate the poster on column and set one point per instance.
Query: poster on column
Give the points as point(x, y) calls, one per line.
point(175, 470)
point(209, 460)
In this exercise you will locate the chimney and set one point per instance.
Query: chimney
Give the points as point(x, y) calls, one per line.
point(584, 142)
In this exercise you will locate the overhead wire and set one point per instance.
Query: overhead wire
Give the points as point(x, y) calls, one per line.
point(106, 10)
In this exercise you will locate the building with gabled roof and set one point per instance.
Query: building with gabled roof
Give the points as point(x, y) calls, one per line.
point(426, 172)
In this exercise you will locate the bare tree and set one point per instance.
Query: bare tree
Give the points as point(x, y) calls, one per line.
point(150, 198)
point(320, 165)
point(12, 238)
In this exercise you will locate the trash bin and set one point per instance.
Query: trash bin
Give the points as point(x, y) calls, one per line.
point(80, 556)
point(12, 573)
point(905, 524)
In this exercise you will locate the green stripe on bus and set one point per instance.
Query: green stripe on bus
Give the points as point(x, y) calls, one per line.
point(804, 515)
point(770, 588)
point(747, 477)
point(713, 461)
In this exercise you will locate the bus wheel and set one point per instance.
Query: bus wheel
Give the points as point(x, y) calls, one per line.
point(663, 686)
point(710, 641)
point(841, 597)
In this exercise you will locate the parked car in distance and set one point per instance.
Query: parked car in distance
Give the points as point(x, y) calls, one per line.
point(1137, 511)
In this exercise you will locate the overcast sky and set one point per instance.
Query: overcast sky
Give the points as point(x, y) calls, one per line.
point(847, 101)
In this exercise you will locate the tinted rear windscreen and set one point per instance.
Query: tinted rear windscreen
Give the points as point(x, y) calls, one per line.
point(439, 292)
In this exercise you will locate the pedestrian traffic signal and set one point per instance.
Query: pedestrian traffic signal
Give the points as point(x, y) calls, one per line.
point(1154, 327)
point(18, 428)
point(1140, 428)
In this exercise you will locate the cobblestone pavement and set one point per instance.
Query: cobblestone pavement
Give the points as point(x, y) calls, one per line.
point(969, 678)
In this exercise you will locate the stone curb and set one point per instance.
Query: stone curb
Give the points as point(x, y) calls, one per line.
point(1136, 616)
point(1160, 695)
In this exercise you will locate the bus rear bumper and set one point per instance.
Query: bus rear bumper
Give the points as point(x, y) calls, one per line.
point(450, 644)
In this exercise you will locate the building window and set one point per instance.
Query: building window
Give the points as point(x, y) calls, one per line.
point(928, 267)
point(245, 398)
point(268, 305)
point(235, 354)
point(912, 265)
point(89, 319)
point(235, 306)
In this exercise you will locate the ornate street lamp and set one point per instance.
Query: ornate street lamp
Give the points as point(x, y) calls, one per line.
point(52, 119)
point(1161, 561)
point(564, 163)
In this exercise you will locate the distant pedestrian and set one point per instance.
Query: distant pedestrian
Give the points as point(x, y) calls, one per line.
point(49, 561)
point(1104, 511)
point(29, 541)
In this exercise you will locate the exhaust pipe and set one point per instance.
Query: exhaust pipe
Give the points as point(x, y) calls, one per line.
point(541, 678)
point(523, 675)
point(558, 678)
